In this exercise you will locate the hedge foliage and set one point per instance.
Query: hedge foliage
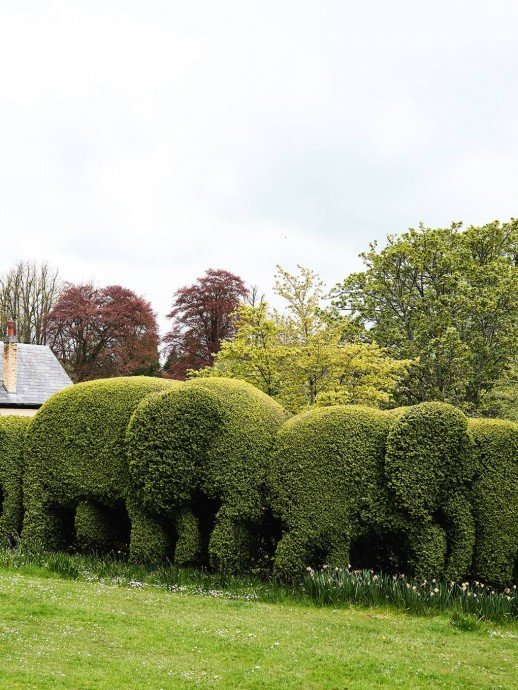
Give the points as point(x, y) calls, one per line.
point(212, 472)
point(405, 475)
point(326, 482)
point(76, 453)
point(200, 448)
point(495, 499)
point(428, 456)
point(12, 436)
point(429, 466)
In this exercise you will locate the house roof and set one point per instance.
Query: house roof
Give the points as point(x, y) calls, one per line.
point(39, 375)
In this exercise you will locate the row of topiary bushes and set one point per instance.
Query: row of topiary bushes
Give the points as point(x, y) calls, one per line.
point(212, 472)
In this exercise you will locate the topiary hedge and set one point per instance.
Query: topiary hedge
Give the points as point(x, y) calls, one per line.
point(494, 498)
point(429, 465)
point(428, 455)
point(197, 466)
point(341, 473)
point(195, 451)
point(12, 437)
point(326, 483)
point(76, 456)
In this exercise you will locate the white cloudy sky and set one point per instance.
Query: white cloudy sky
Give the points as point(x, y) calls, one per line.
point(143, 142)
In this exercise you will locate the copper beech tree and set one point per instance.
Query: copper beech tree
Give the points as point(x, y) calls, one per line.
point(203, 317)
point(103, 332)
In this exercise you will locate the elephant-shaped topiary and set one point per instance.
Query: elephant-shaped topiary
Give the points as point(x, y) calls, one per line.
point(341, 472)
point(198, 459)
point(429, 465)
point(76, 473)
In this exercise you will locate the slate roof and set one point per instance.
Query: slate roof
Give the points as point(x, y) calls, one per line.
point(39, 375)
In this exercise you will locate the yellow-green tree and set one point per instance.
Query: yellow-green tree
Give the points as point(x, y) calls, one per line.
point(300, 356)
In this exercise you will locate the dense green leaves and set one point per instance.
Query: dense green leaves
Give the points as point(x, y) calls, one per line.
point(495, 498)
point(76, 451)
point(416, 478)
point(448, 297)
point(326, 480)
point(428, 457)
point(197, 467)
point(12, 436)
point(200, 448)
point(301, 357)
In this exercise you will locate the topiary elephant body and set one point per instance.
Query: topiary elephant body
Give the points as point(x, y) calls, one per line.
point(325, 483)
point(200, 454)
point(76, 464)
point(341, 472)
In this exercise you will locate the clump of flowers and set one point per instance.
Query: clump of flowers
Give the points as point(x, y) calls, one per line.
point(334, 586)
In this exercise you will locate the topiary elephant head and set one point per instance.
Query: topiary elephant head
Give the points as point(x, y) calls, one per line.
point(494, 497)
point(429, 466)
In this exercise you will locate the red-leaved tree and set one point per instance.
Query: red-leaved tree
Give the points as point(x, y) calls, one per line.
point(202, 318)
point(103, 332)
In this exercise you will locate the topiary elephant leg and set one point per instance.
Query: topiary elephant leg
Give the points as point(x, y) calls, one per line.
point(230, 545)
point(149, 540)
point(11, 512)
point(188, 544)
point(291, 555)
point(339, 545)
point(496, 551)
point(43, 526)
point(428, 545)
point(461, 537)
point(93, 528)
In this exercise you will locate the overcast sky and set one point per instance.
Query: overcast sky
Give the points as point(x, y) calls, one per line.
point(143, 142)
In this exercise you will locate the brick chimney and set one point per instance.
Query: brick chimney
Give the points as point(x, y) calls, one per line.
point(10, 352)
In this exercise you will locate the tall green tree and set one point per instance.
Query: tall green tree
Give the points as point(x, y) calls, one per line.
point(299, 356)
point(447, 296)
point(502, 400)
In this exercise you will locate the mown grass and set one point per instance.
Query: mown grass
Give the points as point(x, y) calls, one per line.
point(65, 634)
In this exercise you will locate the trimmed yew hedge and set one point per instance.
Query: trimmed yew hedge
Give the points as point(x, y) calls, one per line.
point(76, 456)
point(12, 437)
point(428, 456)
point(405, 475)
point(198, 449)
point(213, 471)
point(429, 466)
point(495, 499)
point(326, 481)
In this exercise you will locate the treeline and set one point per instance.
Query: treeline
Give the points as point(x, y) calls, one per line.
point(432, 316)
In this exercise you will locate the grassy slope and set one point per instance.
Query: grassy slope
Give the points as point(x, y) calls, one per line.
point(72, 635)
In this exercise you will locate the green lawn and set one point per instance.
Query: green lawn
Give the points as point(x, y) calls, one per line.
point(63, 634)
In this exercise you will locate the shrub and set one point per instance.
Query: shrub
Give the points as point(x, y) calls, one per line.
point(428, 455)
point(326, 483)
point(76, 453)
point(200, 448)
point(428, 465)
point(495, 499)
point(12, 436)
